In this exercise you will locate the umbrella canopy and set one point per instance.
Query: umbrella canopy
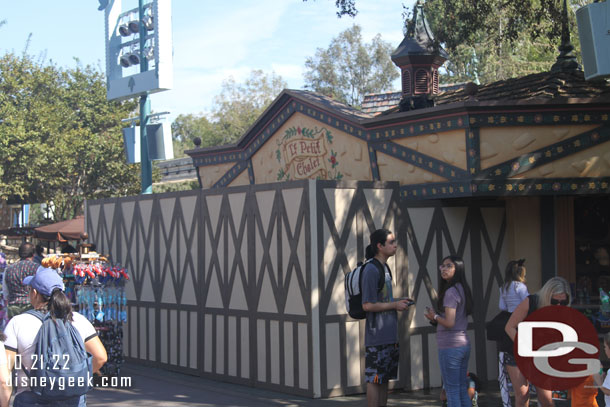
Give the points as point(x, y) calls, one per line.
point(62, 231)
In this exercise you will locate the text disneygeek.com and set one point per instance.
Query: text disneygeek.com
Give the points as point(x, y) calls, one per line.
point(56, 381)
point(61, 383)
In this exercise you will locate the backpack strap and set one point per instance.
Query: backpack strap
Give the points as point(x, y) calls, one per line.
point(381, 268)
point(38, 314)
point(41, 316)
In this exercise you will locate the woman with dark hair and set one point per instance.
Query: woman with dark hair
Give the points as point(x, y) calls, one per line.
point(381, 329)
point(454, 304)
point(46, 294)
point(512, 293)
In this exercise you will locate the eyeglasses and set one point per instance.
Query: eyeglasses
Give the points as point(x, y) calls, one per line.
point(560, 302)
point(446, 266)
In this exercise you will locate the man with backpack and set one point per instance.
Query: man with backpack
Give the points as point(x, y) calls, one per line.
point(54, 350)
point(381, 331)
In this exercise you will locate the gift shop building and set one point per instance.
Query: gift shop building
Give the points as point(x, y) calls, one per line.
point(242, 281)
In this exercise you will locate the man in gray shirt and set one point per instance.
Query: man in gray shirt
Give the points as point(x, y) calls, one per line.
point(381, 331)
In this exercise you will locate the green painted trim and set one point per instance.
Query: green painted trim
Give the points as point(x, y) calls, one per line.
point(251, 176)
point(230, 175)
point(473, 150)
point(373, 162)
point(555, 117)
point(420, 160)
point(436, 190)
point(541, 186)
point(547, 154)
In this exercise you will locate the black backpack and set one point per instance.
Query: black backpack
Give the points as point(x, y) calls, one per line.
point(353, 288)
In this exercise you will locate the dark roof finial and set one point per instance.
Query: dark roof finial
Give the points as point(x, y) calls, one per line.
point(566, 61)
point(410, 32)
point(418, 39)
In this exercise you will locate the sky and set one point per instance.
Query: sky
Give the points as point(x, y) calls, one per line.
point(212, 39)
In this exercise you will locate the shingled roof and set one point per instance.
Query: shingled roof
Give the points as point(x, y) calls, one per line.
point(535, 87)
point(329, 103)
point(376, 103)
point(380, 102)
point(538, 86)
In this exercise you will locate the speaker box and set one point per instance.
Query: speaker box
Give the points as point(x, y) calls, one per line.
point(131, 140)
point(160, 145)
point(594, 32)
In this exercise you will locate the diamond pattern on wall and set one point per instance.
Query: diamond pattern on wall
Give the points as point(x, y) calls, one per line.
point(239, 259)
point(338, 201)
point(267, 301)
point(214, 299)
point(378, 201)
point(292, 211)
point(454, 219)
point(188, 294)
point(295, 304)
point(238, 296)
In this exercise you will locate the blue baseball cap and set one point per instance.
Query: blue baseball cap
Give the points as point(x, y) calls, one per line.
point(45, 281)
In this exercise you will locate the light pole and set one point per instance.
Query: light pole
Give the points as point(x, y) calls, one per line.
point(146, 163)
point(130, 43)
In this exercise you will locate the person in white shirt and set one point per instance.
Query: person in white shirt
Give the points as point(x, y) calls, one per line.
point(46, 295)
point(5, 388)
point(512, 293)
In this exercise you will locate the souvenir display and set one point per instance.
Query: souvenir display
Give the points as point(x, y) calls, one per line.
point(96, 289)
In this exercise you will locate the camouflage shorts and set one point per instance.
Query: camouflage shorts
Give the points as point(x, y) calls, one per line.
point(381, 363)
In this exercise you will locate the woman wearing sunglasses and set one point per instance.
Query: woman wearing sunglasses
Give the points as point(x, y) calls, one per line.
point(556, 291)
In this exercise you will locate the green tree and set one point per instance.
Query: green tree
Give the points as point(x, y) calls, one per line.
point(238, 105)
point(235, 109)
point(60, 138)
point(349, 69)
point(187, 127)
point(489, 40)
point(465, 18)
point(492, 40)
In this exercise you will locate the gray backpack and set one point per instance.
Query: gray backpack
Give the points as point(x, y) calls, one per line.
point(59, 360)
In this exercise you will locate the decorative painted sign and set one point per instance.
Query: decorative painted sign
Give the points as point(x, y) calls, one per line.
point(304, 154)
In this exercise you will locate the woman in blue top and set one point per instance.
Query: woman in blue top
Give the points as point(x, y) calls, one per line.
point(512, 293)
point(454, 305)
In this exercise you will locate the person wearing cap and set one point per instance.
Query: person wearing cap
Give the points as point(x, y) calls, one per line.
point(46, 294)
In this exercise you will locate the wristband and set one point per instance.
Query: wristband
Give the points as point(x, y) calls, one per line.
point(436, 316)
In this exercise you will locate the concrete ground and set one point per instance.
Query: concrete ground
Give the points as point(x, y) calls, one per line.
point(155, 387)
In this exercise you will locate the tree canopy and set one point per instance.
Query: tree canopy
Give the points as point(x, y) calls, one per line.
point(493, 40)
point(60, 139)
point(235, 109)
point(489, 40)
point(349, 69)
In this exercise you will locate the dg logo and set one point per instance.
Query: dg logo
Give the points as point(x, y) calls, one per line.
point(557, 348)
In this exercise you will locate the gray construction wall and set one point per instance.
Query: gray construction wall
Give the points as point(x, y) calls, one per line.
point(245, 284)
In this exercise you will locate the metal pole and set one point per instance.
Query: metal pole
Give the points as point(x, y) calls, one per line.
point(146, 164)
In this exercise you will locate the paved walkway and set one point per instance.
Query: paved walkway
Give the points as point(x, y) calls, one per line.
point(154, 387)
